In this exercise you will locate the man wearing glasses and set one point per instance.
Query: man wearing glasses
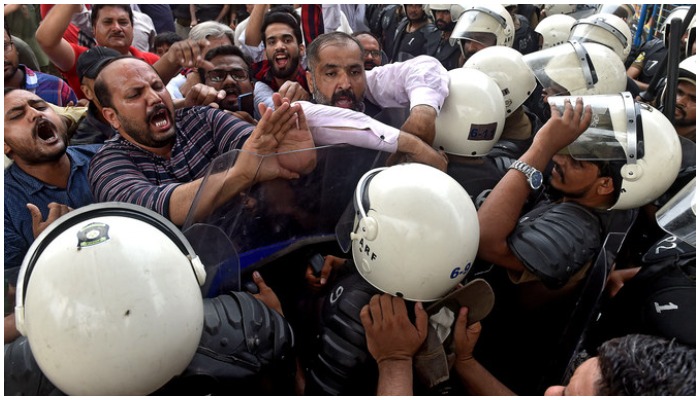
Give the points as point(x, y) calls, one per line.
point(373, 54)
point(228, 71)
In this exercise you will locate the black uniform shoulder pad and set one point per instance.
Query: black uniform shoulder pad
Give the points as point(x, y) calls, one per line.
point(242, 340)
point(555, 241)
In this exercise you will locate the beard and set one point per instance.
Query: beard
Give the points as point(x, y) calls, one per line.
point(683, 121)
point(288, 70)
point(141, 133)
point(321, 99)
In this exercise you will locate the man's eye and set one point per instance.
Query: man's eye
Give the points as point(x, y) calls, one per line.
point(12, 116)
point(331, 74)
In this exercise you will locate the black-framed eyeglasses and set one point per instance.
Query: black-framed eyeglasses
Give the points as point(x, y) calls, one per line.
point(8, 46)
point(219, 75)
point(373, 53)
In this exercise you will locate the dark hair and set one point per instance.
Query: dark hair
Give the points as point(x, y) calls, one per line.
point(95, 11)
point(225, 51)
point(278, 16)
point(168, 38)
point(8, 32)
point(356, 34)
point(101, 88)
point(321, 40)
point(643, 365)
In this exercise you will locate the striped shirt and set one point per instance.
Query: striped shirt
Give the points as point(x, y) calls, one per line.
point(122, 171)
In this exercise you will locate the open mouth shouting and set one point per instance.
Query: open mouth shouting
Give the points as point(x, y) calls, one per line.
point(344, 99)
point(160, 119)
point(46, 131)
point(281, 60)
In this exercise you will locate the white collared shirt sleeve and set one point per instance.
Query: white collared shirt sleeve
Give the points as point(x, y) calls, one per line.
point(418, 81)
point(334, 125)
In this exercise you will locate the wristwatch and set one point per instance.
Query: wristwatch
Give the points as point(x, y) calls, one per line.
point(534, 177)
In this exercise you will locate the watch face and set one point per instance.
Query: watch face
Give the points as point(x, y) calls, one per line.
point(536, 180)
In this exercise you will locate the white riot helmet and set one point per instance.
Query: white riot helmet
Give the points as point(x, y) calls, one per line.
point(109, 299)
point(555, 29)
point(455, 11)
point(506, 67)
point(624, 11)
point(687, 70)
point(679, 12)
point(636, 140)
point(488, 23)
point(555, 9)
point(578, 69)
point(473, 116)
point(606, 29)
point(416, 231)
point(690, 38)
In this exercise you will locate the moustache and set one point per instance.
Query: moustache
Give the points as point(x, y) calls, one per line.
point(344, 93)
point(157, 109)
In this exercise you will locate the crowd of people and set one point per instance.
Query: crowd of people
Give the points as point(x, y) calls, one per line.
point(526, 224)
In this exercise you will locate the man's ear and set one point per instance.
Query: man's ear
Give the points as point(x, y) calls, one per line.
point(111, 117)
point(302, 50)
point(8, 150)
point(310, 82)
point(87, 92)
point(606, 186)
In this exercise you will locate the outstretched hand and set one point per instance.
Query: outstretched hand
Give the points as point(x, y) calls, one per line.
point(390, 334)
point(282, 130)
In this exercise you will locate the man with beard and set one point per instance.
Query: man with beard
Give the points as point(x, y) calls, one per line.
point(483, 25)
point(337, 78)
point(160, 155)
point(373, 54)
point(415, 35)
point(46, 179)
point(18, 76)
point(281, 71)
point(445, 17)
point(684, 117)
point(328, 125)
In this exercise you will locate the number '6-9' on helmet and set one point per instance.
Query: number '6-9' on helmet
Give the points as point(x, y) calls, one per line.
point(416, 231)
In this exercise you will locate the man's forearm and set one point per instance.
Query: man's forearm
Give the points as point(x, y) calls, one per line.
point(500, 212)
point(253, 36)
point(49, 35)
point(478, 380)
point(224, 186)
point(421, 122)
point(395, 378)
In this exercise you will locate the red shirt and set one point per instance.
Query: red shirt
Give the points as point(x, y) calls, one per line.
point(72, 74)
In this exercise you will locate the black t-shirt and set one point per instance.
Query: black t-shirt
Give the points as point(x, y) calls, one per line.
point(412, 45)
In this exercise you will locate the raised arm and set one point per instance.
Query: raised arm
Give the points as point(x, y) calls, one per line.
point(49, 35)
point(420, 83)
point(476, 379)
point(499, 214)
point(253, 35)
